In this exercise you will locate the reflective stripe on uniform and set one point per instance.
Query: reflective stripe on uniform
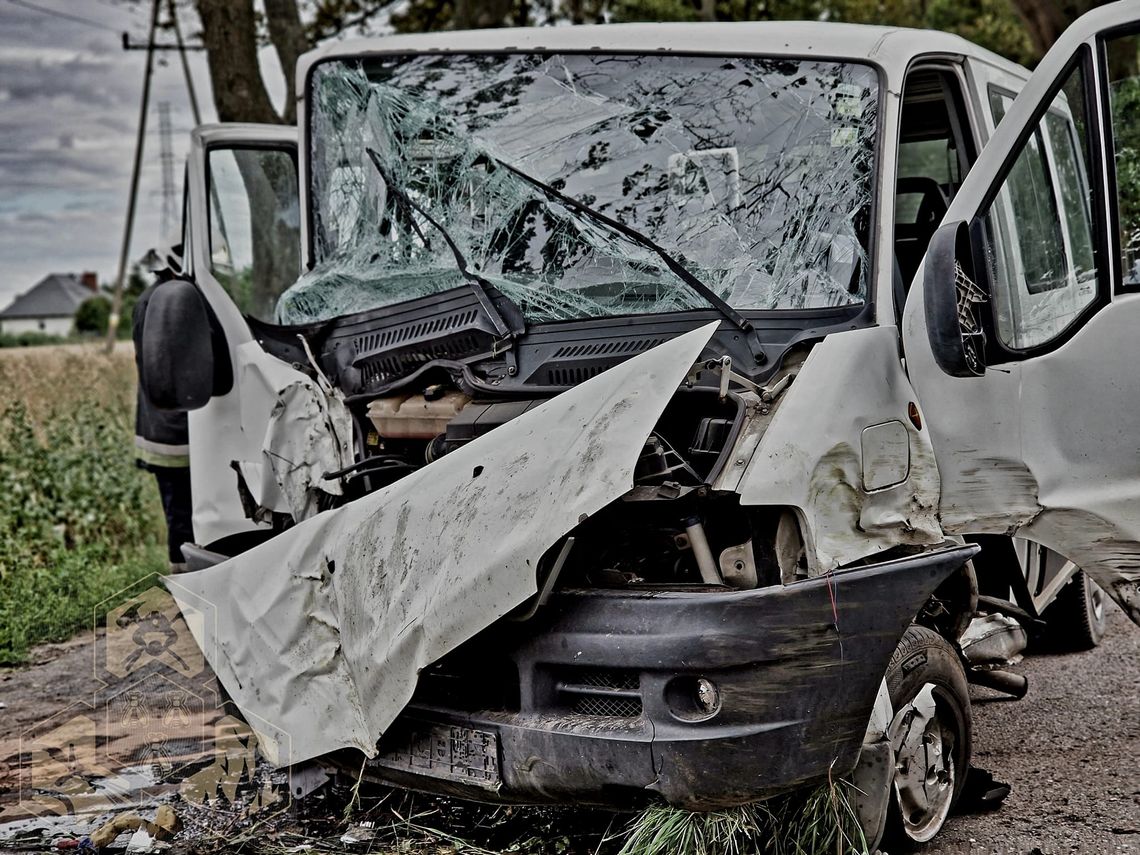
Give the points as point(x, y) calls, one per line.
point(162, 448)
point(158, 454)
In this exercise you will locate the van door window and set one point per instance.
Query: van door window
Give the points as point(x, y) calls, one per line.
point(934, 154)
point(1124, 99)
point(1042, 266)
point(255, 237)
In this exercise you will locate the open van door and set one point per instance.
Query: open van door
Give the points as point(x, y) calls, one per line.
point(243, 237)
point(1022, 332)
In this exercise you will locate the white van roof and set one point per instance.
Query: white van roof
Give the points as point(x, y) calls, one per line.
point(892, 48)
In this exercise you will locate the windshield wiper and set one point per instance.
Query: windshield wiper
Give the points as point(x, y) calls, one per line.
point(714, 299)
point(478, 284)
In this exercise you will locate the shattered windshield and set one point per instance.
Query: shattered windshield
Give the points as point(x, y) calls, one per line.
point(754, 174)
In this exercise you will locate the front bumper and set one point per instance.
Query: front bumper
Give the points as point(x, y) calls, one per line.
point(576, 705)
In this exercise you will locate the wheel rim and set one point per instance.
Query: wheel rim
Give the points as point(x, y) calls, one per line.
point(1096, 600)
point(925, 739)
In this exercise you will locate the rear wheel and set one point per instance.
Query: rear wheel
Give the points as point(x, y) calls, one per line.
point(1077, 619)
point(930, 734)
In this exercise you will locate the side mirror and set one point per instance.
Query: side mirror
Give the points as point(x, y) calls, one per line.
point(182, 357)
point(951, 298)
point(164, 261)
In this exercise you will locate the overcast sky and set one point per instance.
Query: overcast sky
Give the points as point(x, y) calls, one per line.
point(69, 102)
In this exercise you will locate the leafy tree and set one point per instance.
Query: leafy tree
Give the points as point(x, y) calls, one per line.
point(136, 282)
point(232, 31)
point(1126, 139)
point(92, 315)
point(989, 23)
point(994, 24)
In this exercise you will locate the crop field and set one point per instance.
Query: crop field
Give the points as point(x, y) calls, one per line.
point(78, 521)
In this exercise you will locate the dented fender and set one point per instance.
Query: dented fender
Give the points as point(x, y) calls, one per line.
point(814, 455)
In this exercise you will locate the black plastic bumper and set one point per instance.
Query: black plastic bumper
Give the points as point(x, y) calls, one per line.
point(796, 667)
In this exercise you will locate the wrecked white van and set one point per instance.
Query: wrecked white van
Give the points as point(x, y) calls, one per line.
point(587, 459)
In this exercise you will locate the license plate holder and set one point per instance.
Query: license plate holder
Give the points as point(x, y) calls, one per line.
point(454, 753)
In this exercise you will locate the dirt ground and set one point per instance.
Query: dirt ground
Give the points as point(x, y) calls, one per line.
point(1069, 749)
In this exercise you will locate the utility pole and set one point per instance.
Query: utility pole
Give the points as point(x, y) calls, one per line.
point(166, 158)
point(117, 297)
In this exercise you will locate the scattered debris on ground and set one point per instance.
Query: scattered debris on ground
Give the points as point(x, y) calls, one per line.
point(342, 817)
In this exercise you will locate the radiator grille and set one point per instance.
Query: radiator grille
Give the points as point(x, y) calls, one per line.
point(608, 678)
point(601, 692)
point(608, 707)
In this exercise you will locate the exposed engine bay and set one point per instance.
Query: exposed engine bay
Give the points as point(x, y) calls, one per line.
point(426, 381)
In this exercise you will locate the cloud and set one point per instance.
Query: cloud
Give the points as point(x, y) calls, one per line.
point(69, 100)
point(32, 218)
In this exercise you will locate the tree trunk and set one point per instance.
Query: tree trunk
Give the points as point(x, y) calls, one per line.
point(271, 187)
point(1045, 20)
point(230, 36)
point(289, 40)
point(1123, 61)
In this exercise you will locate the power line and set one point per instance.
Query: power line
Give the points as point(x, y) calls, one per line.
point(55, 13)
point(173, 11)
point(122, 7)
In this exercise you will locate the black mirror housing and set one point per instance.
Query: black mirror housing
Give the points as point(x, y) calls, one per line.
point(949, 296)
point(182, 357)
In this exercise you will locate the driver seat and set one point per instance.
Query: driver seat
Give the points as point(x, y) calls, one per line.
point(912, 235)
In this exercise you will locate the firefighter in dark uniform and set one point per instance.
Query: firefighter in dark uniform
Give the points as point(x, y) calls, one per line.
point(162, 447)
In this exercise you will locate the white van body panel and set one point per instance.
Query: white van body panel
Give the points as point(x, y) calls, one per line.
point(1044, 447)
point(231, 428)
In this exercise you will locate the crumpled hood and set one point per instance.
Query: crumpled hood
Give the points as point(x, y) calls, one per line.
point(319, 634)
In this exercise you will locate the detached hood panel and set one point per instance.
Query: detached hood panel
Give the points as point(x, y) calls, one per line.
point(319, 634)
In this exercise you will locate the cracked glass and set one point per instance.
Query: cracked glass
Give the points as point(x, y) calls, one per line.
point(754, 174)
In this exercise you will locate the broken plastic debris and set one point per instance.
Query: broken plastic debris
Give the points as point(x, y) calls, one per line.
point(165, 825)
point(981, 792)
point(364, 832)
point(142, 841)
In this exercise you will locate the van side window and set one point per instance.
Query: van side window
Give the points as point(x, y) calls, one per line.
point(1042, 267)
point(255, 225)
point(1124, 99)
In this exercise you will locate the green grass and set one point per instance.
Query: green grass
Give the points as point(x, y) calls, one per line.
point(78, 521)
point(806, 822)
point(28, 339)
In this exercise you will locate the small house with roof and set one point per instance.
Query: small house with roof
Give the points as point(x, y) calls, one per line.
point(49, 307)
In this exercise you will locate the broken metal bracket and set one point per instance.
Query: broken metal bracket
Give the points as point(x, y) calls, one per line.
point(543, 596)
point(723, 366)
point(768, 394)
point(306, 778)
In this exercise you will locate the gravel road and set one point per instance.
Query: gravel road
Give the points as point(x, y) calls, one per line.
point(1071, 751)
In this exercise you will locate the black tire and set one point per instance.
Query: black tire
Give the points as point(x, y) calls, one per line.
point(925, 657)
point(1077, 619)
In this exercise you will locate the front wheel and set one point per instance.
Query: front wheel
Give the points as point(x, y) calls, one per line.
point(930, 734)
